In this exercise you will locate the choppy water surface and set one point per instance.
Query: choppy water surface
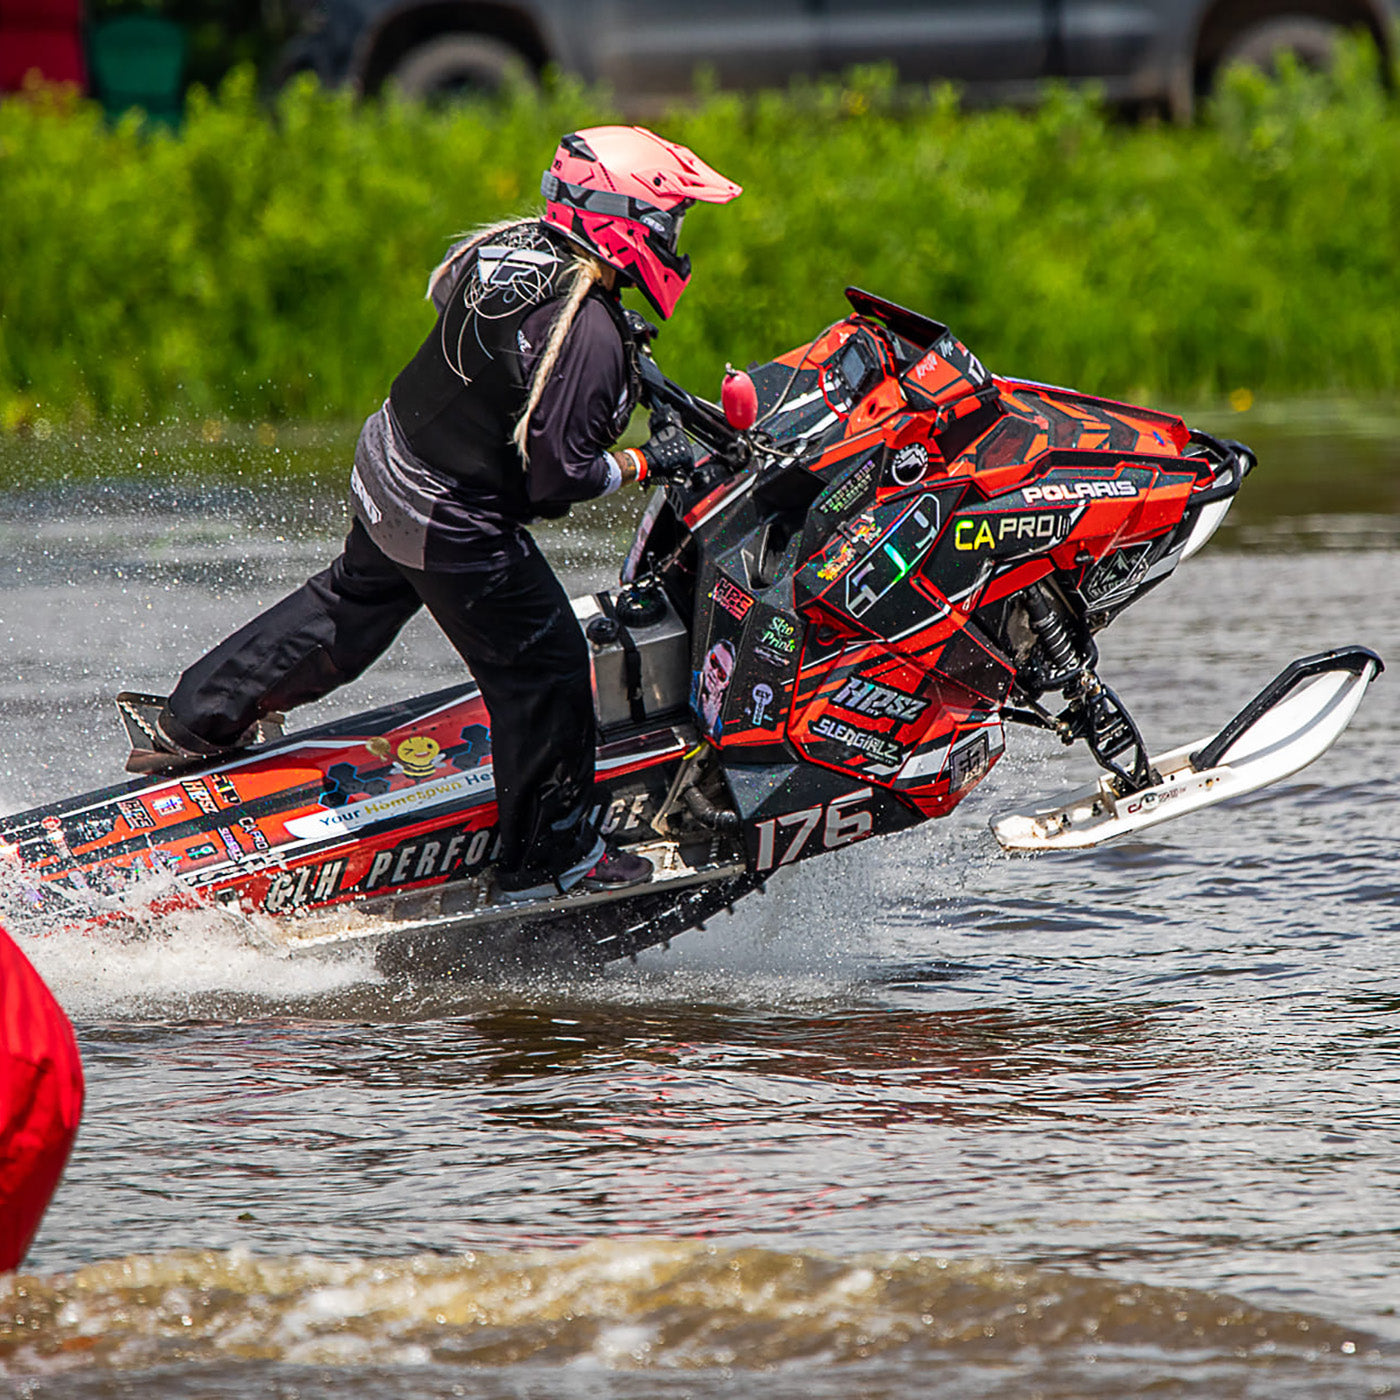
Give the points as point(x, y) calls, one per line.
point(926, 1119)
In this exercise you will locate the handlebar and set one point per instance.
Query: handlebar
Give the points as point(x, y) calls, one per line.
point(704, 421)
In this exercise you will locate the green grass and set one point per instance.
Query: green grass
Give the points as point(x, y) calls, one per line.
point(258, 266)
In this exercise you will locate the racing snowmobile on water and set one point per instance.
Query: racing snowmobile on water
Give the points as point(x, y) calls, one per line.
point(882, 556)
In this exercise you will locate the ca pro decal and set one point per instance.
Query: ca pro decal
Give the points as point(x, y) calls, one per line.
point(1015, 530)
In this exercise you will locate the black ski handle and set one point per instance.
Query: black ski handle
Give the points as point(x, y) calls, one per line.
point(1354, 659)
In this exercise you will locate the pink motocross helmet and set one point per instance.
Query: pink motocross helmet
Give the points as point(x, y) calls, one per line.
point(622, 192)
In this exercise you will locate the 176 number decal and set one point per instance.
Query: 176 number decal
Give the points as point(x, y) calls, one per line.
point(839, 821)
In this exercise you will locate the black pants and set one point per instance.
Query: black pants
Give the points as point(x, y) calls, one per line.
point(514, 628)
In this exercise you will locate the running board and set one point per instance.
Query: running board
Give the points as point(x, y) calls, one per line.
point(1292, 721)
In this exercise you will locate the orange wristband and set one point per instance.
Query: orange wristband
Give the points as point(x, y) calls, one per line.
point(639, 463)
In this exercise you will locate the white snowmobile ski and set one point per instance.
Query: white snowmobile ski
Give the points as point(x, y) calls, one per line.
point(1292, 721)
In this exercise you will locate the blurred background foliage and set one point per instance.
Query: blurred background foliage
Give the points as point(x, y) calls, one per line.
point(267, 261)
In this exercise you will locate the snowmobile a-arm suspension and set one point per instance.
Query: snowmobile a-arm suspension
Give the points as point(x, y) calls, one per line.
point(1094, 714)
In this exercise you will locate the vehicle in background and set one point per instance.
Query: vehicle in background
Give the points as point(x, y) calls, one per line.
point(1162, 54)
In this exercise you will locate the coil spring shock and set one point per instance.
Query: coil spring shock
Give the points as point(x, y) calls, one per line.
point(1054, 635)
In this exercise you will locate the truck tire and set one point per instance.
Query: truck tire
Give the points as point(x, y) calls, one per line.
point(1310, 38)
point(461, 65)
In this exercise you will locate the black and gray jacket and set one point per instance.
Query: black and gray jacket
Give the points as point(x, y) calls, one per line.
point(438, 481)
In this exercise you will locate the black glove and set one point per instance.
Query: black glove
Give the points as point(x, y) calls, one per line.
point(668, 452)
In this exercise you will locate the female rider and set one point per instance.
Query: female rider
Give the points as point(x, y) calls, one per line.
point(505, 414)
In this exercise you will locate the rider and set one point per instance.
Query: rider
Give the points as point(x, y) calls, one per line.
point(505, 414)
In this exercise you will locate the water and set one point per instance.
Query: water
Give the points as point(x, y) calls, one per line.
point(926, 1119)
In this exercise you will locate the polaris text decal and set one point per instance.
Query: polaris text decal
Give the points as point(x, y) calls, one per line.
point(1076, 491)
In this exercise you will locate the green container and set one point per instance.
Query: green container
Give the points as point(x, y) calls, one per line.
point(139, 61)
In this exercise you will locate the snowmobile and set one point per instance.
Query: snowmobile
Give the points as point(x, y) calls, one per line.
point(882, 556)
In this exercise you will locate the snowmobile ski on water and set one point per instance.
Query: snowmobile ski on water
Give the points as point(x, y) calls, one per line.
point(882, 556)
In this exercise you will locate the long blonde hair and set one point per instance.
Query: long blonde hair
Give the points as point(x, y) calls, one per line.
point(585, 271)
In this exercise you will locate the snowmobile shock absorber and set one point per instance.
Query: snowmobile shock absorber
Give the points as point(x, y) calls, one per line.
point(1054, 635)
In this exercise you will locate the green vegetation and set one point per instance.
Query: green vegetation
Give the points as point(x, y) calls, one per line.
point(265, 264)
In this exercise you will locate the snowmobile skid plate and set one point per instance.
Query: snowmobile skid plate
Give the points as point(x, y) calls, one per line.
point(1291, 722)
point(470, 908)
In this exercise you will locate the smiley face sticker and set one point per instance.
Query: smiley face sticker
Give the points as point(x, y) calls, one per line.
point(418, 756)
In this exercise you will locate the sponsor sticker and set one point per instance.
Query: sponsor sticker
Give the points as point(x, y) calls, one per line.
point(223, 786)
point(53, 830)
point(878, 701)
point(973, 534)
point(200, 795)
point(841, 497)
point(839, 562)
point(1076, 491)
point(731, 598)
point(93, 828)
point(909, 465)
point(168, 805)
point(419, 756)
point(779, 635)
point(354, 815)
point(135, 815)
point(876, 745)
point(969, 762)
point(710, 684)
point(761, 697)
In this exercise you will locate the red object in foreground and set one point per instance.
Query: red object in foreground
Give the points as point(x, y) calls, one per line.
point(41, 1099)
point(739, 400)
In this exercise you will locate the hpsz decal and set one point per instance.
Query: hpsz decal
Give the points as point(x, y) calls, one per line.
point(731, 598)
point(869, 698)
